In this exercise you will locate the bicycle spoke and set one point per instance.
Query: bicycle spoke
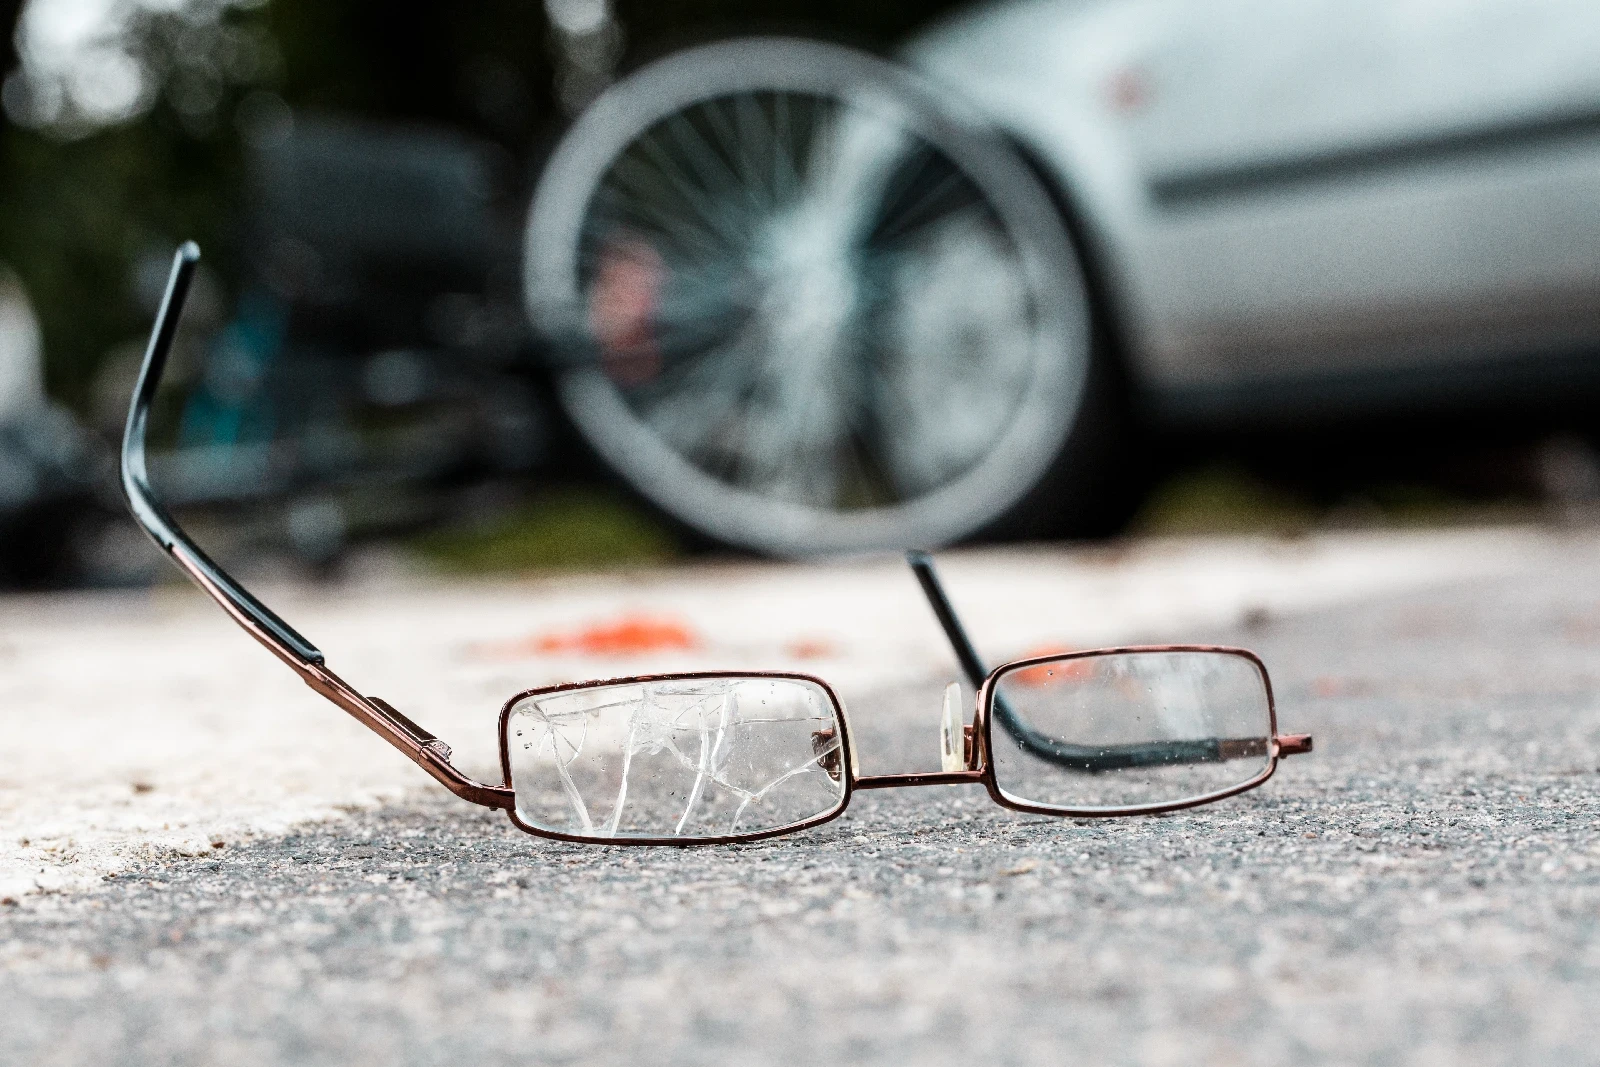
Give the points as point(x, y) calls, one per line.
point(713, 169)
point(922, 212)
point(753, 127)
point(785, 176)
point(705, 393)
point(696, 199)
point(643, 215)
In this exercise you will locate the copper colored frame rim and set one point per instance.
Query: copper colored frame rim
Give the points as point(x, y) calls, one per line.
point(985, 724)
point(847, 761)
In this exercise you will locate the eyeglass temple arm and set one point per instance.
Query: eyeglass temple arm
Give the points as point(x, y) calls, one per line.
point(977, 673)
point(1084, 758)
point(279, 638)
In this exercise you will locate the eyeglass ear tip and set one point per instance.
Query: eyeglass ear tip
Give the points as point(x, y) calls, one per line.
point(918, 557)
point(189, 252)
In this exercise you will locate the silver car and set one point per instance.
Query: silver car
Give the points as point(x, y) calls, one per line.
point(805, 300)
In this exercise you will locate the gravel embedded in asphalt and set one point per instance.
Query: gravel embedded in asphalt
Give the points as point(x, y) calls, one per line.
point(1424, 888)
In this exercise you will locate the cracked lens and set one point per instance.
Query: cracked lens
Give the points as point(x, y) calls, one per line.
point(696, 757)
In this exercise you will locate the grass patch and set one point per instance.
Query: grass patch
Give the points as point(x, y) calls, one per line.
point(570, 530)
point(1229, 500)
point(1223, 499)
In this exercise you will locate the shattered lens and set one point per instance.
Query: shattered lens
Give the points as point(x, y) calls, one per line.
point(677, 759)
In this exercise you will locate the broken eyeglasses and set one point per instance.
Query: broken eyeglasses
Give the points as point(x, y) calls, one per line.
point(715, 757)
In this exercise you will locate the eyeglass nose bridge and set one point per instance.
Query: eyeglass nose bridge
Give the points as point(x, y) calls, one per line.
point(956, 759)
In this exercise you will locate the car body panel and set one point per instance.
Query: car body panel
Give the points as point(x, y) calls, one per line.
point(1275, 193)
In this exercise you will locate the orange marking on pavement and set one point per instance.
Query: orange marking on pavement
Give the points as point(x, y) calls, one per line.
point(811, 648)
point(628, 636)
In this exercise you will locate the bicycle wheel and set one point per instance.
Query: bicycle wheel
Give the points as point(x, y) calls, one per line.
point(803, 305)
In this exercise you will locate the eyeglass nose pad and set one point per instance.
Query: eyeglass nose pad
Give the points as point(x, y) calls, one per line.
point(952, 731)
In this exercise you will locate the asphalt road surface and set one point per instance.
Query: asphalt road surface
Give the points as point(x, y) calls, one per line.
point(1423, 889)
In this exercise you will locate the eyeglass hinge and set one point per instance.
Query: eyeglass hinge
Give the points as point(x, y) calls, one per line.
point(425, 740)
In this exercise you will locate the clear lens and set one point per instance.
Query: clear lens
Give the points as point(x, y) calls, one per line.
point(1129, 729)
point(680, 758)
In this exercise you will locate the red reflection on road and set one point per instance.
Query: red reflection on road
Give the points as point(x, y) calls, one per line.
point(1072, 670)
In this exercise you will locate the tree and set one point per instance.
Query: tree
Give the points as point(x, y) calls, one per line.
point(79, 213)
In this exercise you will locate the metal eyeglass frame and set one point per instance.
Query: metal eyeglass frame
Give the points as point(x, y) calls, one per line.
point(433, 755)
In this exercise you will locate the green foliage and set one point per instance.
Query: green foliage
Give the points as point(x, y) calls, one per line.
point(78, 214)
point(1223, 499)
point(571, 530)
point(77, 217)
point(1229, 499)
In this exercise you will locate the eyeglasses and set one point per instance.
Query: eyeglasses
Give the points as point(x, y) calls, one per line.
point(715, 757)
